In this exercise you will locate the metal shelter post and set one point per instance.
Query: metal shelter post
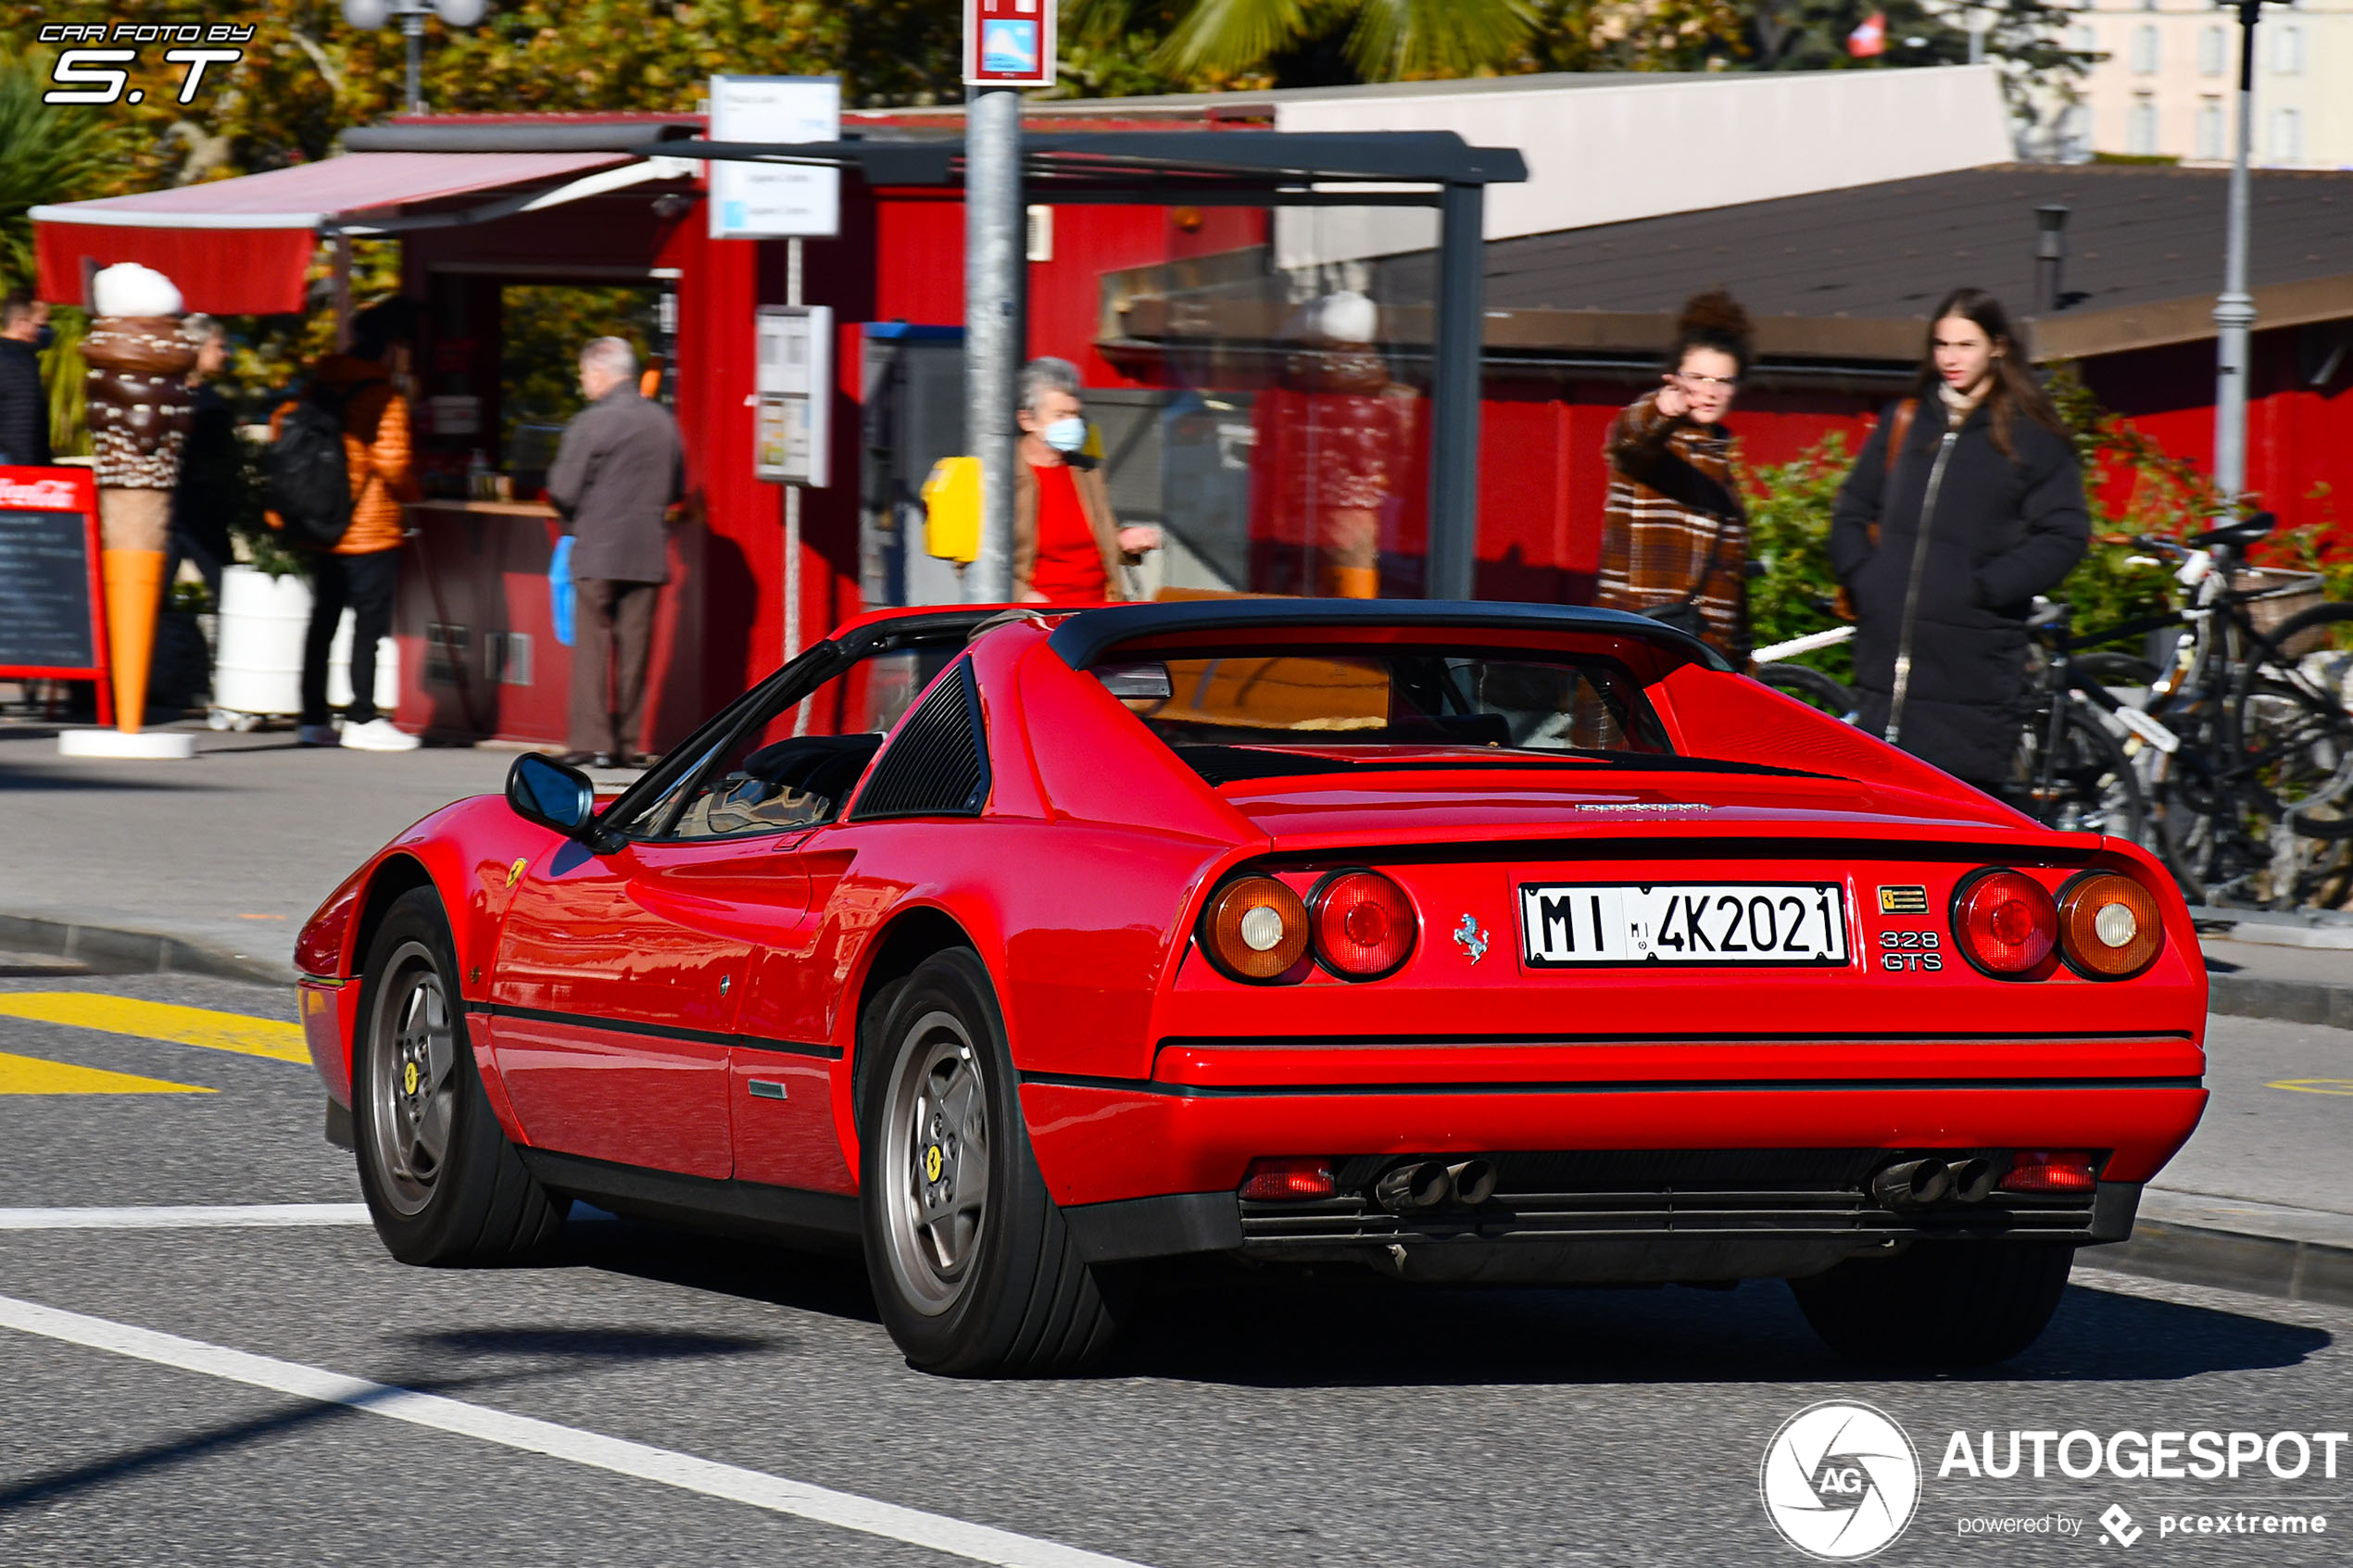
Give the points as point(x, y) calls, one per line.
point(1453, 436)
point(993, 254)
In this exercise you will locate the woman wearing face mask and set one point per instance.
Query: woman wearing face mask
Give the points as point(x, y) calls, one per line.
point(1674, 536)
point(1965, 504)
point(1068, 545)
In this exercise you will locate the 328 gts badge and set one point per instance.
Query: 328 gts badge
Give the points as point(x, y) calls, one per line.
point(1901, 950)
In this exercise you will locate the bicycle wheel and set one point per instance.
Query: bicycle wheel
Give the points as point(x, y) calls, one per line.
point(2294, 737)
point(2089, 785)
point(1810, 687)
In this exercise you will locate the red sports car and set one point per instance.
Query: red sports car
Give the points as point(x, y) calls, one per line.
point(1461, 942)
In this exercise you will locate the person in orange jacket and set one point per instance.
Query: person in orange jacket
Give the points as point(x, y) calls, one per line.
point(363, 567)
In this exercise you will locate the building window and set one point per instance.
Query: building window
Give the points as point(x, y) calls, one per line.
point(2213, 53)
point(2140, 128)
point(2075, 134)
point(2287, 51)
point(2210, 130)
point(2083, 40)
point(2144, 50)
point(2287, 136)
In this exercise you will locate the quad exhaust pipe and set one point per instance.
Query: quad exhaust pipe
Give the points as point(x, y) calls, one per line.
point(1423, 1185)
point(1918, 1183)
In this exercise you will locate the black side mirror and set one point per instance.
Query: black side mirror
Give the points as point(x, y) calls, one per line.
point(551, 794)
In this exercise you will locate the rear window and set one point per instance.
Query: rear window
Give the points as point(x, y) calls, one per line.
point(1499, 699)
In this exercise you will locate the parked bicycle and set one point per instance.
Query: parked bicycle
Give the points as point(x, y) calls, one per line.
point(2255, 806)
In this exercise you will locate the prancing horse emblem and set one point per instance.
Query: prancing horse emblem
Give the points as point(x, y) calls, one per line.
point(1472, 939)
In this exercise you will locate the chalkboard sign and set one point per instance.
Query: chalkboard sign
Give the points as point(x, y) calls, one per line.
point(50, 598)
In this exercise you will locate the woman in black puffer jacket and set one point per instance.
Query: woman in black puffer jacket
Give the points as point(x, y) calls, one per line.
point(1944, 544)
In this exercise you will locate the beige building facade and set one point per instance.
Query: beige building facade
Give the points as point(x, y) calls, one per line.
point(2168, 84)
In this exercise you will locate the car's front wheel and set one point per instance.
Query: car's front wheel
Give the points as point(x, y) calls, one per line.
point(1938, 1303)
point(972, 1262)
point(443, 1185)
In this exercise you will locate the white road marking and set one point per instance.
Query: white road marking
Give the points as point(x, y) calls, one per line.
point(979, 1543)
point(185, 1217)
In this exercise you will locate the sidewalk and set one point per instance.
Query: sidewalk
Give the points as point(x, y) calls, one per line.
point(209, 866)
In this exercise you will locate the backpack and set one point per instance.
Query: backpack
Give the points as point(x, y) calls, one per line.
point(307, 478)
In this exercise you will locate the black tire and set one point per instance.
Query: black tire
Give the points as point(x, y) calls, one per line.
point(2091, 787)
point(444, 1186)
point(1951, 1304)
point(1809, 687)
point(1002, 1292)
point(2294, 737)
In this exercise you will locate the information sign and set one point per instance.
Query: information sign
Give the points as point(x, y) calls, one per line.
point(764, 201)
point(792, 427)
point(1009, 43)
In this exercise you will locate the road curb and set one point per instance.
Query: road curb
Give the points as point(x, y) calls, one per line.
point(2281, 1267)
point(134, 952)
point(2290, 1001)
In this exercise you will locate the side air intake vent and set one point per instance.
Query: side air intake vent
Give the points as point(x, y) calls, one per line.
point(936, 765)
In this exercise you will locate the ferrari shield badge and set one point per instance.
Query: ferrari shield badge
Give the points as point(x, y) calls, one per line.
point(514, 872)
point(1471, 939)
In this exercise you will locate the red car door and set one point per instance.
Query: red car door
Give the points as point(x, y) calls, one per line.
point(617, 978)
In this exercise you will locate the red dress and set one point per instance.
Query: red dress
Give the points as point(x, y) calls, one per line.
point(1069, 566)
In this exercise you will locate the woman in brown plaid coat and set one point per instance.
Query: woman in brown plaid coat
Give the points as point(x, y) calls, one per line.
point(1675, 539)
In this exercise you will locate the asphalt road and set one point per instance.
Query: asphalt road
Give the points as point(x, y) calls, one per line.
point(1253, 1424)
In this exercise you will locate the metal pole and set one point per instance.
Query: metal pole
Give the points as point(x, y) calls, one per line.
point(2235, 309)
point(992, 321)
point(413, 27)
point(1455, 393)
point(792, 492)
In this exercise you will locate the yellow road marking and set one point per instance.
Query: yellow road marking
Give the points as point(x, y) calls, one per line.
point(31, 1075)
point(2315, 1085)
point(162, 1021)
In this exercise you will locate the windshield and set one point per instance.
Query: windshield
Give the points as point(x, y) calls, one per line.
point(1388, 698)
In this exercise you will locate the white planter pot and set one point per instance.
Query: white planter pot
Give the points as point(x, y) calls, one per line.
point(257, 662)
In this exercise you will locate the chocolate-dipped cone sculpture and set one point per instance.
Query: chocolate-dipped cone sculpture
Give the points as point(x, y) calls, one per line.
point(138, 413)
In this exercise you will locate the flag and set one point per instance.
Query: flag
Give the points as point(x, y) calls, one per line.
point(1870, 38)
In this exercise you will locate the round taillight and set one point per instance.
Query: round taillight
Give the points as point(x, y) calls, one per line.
point(2109, 928)
point(2004, 922)
point(1255, 929)
point(1365, 924)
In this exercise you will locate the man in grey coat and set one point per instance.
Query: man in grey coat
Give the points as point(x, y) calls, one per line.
point(617, 471)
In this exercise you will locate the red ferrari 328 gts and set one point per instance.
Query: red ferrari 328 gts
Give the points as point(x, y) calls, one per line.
point(1463, 941)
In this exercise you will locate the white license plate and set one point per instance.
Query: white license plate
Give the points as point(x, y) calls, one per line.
point(1563, 924)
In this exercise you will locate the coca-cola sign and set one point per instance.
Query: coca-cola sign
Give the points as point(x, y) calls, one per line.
point(41, 495)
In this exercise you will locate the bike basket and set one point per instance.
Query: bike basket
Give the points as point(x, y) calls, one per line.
point(2274, 594)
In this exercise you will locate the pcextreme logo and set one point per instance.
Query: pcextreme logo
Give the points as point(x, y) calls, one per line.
point(1839, 1481)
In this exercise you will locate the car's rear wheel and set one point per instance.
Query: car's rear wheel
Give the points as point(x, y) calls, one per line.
point(1938, 1303)
point(444, 1186)
point(972, 1262)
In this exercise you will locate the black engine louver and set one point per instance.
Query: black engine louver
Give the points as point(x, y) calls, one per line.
point(938, 763)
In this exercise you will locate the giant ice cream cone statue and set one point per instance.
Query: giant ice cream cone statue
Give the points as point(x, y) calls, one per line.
point(138, 412)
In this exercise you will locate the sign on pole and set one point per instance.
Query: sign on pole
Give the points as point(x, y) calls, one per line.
point(1009, 43)
point(763, 201)
point(792, 423)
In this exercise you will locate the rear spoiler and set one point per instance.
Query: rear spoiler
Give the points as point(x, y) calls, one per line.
point(1086, 636)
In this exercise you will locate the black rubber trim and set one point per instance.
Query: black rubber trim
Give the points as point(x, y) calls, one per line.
point(1633, 1086)
point(1164, 1226)
point(2115, 1205)
point(1327, 1042)
point(339, 1126)
point(828, 1220)
point(657, 1031)
point(1085, 637)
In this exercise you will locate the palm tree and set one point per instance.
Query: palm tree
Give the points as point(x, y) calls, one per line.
point(46, 154)
point(1385, 40)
